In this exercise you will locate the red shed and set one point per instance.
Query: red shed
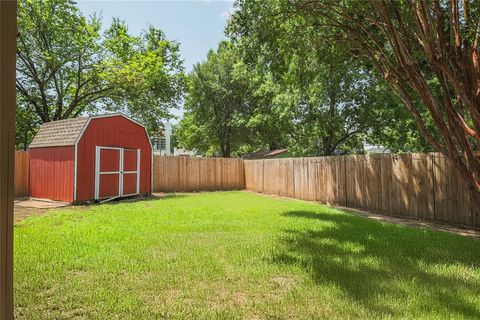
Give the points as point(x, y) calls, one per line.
point(94, 158)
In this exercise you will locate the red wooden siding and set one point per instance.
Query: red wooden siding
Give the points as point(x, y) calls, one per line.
point(108, 186)
point(115, 131)
point(51, 173)
point(129, 183)
point(130, 160)
point(110, 160)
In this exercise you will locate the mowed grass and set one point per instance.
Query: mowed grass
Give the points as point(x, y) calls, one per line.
point(238, 255)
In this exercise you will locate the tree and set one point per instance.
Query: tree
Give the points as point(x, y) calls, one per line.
point(58, 59)
point(146, 72)
point(331, 112)
point(65, 68)
point(327, 94)
point(395, 129)
point(26, 122)
point(338, 104)
point(426, 51)
point(214, 119)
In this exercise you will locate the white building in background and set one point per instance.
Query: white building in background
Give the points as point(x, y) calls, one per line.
point(161, 142)
point(178, 152)
point(372, 149)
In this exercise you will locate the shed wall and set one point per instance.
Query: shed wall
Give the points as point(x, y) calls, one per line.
point(116, 131)
point(51, 173)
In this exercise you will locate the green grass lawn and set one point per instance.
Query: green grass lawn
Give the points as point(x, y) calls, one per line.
point(234, 255)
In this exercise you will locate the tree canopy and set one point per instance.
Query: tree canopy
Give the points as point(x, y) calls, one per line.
point(426, 51)
point(336, 102)
point(293, 92)
point(67, 68)
point(214, 109)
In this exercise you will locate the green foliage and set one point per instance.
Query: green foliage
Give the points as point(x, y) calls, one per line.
point(229, 255)
point(66, 68)
point(395, 129)
point(26, 123)
point(194, 136)
point(331, 111)
point(146, 73)
point(218, 105)
point(333, 100)
point(58, 58)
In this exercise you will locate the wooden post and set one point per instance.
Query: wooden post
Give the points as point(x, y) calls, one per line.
point(8, 36)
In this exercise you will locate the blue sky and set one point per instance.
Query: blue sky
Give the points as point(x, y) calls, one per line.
point(198, 25)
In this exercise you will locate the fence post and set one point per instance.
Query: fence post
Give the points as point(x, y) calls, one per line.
point(432, 156)
point(293, 176)
point(345, 177)
point(263, 175)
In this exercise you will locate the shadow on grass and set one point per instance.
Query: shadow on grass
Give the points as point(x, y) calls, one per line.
point(134, 199)
point(171, 196)
point(389, 269)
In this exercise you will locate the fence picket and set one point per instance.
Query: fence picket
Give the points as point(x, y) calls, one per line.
point(420, 186)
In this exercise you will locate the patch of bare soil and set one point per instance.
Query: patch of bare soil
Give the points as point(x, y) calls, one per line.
point(21, 213)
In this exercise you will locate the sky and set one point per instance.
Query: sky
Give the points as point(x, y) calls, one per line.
point(198, 25)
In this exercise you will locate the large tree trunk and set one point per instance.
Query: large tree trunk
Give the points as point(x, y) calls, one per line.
point(327, 145)
point(226, 151)
point(328, 148)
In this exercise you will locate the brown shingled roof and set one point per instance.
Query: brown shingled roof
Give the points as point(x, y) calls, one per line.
point(59, 133)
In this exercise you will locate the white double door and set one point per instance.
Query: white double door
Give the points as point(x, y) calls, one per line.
point(117, 172)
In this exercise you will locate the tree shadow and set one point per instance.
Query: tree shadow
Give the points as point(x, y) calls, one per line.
point(378, 264)
point(170, 196)
point(134, 199)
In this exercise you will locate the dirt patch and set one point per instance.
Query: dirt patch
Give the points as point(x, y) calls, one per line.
point(22, 210)
point(21, 213)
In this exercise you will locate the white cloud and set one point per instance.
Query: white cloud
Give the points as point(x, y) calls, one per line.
point(226, 14)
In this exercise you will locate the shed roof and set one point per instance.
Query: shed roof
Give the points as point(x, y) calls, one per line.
point(66, 132)
point(59, 133)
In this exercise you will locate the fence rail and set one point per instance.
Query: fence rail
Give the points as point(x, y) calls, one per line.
point(419, 186)
point(183, 174)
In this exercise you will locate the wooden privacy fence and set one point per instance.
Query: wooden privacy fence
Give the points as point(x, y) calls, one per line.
point(419, 186)
point(21, 174)
point(183, 174)
point(170, 174)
